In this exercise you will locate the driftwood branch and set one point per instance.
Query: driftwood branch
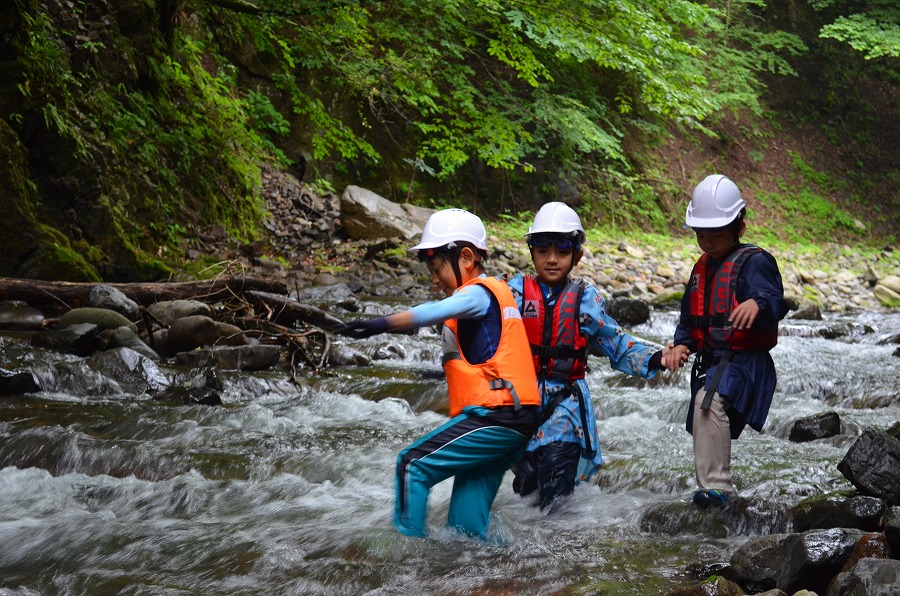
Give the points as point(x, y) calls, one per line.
point(74, 294)
point(287, 311)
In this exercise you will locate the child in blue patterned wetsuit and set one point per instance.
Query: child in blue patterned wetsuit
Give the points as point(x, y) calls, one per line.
point(564, 318)
point(490, 380)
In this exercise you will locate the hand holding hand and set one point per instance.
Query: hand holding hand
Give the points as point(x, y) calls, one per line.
point(674, 357)
point(362, 328)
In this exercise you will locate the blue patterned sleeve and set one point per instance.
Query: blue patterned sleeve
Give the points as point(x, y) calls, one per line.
point(626, 353)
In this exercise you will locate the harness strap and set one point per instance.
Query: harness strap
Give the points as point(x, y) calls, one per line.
point(496, 384)
point(723, 363)
point(705, 321)
point(557, 397)
point(559, 352)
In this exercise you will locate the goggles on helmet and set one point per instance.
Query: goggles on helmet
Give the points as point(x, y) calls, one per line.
point(560, 241)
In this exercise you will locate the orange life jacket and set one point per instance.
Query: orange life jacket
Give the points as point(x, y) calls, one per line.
point(557, 345)
point(507, 378)
point(711, 306)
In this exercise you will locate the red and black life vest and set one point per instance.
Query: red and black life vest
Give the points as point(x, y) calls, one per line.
point(557, 345)
point(712, 300)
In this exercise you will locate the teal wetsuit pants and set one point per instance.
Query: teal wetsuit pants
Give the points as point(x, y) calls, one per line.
point(476, 448)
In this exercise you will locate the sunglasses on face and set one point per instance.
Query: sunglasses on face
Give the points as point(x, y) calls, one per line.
point(560, 242)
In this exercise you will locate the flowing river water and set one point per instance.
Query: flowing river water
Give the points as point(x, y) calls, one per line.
point(287, 488)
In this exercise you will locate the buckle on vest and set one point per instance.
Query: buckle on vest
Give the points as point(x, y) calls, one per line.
point(496, 384)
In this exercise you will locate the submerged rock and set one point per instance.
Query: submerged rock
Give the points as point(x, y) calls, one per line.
point(17, 382)
point(820, 426)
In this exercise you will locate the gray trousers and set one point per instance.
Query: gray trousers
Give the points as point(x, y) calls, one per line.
point(712, 444)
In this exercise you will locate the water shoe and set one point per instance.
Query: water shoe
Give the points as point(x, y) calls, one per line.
point(710, 498)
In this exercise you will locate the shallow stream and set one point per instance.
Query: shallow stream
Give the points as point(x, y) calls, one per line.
point(287, 488)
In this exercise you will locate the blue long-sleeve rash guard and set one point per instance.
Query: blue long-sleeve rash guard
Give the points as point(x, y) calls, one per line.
point(479, 320)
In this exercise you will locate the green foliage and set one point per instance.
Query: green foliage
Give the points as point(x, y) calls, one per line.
point(739, 50)
point(871, 28)
point(505, 83)
point(189, 144)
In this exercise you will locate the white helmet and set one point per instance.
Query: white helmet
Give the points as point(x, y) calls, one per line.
point(452, 225)
point(557, 218)
point(716, 203)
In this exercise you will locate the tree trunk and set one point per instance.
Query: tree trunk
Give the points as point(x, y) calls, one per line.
point(66, 295)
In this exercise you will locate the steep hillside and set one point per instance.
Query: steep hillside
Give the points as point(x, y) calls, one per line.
point(129, 129)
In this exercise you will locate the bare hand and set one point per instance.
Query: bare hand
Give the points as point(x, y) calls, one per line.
point(744, 314)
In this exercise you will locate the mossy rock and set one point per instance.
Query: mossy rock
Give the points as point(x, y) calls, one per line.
point(57, 262)
point(103, 318)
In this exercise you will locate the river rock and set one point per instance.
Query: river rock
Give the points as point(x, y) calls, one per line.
point(108, 297)
point(628, 311)
point(739, 516)
point(714, 586)
point(335, 293)
point(894, 430)
point(169, 311)
point(819, 426)
point(81, 339)
point(892, 528)
point(341, 355)
point(135, 374)
point(839, 510)
point(887, 296)
point(17, 382)
point(18, 316)
point(873, 545)
point(811, 312)
point(258, 357)
point(124, 337)
point(188, 333)
point(792, 562)
point(103, 318)
point(199, 387)
point(891, 282)
point(869, 577)
point(872, 465)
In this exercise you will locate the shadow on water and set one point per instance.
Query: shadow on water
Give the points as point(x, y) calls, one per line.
point(288, 489)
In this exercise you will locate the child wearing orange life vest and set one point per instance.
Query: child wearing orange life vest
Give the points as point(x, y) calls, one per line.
point(490, 380)
point(729, 319)
point(564, 318)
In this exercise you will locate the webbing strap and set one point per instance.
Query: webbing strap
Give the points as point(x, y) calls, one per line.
point(559, 352)
point(723, 363)
point(504, 384)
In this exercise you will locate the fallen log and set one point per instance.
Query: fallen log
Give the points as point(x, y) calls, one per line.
point(286, 311)
point(68, 295)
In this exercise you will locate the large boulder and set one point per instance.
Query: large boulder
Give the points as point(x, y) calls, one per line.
point(368, 216)
point(872, 465)
point(872, 577)
point(839, 510)
point(792, 562)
